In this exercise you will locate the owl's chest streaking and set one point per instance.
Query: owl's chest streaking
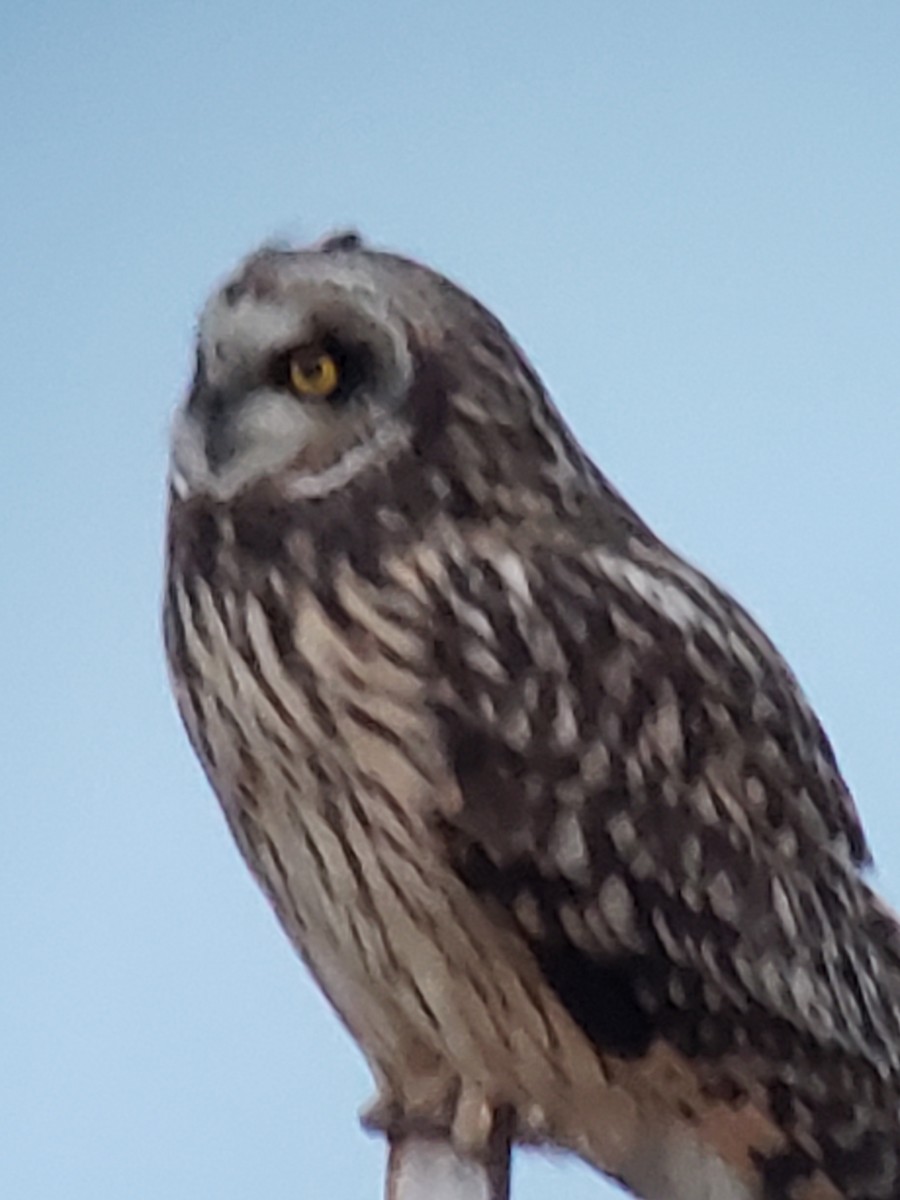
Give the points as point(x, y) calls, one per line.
point(309, 727)
point(307, 712)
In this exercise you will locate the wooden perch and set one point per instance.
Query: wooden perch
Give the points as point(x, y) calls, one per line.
point(425, 1168)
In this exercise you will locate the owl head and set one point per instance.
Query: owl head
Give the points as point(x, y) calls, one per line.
point(338, 366)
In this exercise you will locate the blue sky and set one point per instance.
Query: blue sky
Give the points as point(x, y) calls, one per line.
point(686, 212)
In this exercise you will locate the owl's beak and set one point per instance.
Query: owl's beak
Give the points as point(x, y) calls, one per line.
point(203, 439)
point(211, 411)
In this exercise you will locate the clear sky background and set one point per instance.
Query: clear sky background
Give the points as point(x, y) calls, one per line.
point(689, 215)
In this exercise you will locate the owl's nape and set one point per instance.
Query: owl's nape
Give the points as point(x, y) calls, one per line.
point(544, 812)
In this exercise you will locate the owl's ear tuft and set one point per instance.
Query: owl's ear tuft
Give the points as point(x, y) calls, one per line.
point(341, 239)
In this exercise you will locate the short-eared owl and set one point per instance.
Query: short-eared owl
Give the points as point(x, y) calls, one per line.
point(544, 812)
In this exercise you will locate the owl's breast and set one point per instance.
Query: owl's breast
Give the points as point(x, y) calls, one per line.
point(321, 752)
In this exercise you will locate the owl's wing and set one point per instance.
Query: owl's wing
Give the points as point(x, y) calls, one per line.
point(644, 790)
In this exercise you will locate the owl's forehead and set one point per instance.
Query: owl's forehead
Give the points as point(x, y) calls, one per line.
point(276, 299)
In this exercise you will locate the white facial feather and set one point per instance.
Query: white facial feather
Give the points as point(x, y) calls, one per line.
point(306, 485)
point(270, 430)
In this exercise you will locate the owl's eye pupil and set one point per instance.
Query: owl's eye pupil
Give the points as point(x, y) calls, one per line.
point(313, 373)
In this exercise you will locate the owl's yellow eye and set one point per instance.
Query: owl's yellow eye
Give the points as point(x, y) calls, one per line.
point(312, 374)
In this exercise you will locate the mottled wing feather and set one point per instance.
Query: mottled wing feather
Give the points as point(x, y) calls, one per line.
point(644, 789)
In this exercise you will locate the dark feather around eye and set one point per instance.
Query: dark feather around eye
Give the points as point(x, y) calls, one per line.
point(354, 363)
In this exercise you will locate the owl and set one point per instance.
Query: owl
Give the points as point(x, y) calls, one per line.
point(544, 812)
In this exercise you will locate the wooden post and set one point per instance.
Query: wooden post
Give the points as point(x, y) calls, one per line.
point(428, 1168)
